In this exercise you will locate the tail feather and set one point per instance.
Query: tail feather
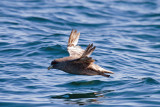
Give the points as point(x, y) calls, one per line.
point(106, 71)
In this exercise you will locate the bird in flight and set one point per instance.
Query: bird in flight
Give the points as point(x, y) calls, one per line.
point(78, 62)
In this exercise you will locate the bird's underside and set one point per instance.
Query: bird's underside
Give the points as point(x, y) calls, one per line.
point(79, 61)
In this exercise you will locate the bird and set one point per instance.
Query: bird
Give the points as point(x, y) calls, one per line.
point(79, 61)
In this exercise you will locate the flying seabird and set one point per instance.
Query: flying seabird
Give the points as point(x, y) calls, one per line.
point(78, 61)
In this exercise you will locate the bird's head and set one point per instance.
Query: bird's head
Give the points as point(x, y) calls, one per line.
point(53, 65)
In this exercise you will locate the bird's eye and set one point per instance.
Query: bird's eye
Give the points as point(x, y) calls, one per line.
point(53, 62)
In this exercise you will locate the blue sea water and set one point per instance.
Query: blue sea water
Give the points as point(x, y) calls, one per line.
point(126, 34)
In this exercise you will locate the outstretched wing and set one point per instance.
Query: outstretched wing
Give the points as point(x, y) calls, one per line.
point(88, 51)
point(72, 42)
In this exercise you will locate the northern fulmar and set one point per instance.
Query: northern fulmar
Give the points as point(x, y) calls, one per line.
point(78, 61)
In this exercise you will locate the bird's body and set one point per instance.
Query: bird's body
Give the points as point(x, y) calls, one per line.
point(79, 61)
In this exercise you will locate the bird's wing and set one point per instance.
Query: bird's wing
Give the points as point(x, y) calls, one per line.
point(85, 60)
point(72, 42)
point(88, 51)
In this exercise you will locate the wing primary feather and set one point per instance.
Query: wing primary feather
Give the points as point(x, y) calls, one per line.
point(74, 50)
point(73, 39)
point(85, 59)
point(88, 50)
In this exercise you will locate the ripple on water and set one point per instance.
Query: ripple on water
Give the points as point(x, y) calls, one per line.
point(10, 52)
point(56, 49)
point(32, 44)
point(51, 48)
point(126, 34)
point(155, 46)
point(38, 19)
point(150, 81)
point(3, 44)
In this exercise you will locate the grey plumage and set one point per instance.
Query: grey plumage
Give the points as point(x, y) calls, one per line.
point(79, 61)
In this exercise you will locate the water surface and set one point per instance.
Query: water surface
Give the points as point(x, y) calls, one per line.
point(127, 37)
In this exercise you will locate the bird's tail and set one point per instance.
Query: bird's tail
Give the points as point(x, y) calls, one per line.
point(106, 71)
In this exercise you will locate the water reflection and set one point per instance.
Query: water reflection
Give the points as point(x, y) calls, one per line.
point(81, 98)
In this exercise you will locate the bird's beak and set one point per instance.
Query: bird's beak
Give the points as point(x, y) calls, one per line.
point(50, 67)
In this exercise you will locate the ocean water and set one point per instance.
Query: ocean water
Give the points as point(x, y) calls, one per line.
point(125, 32)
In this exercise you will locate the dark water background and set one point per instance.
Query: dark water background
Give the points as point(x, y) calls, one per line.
point(125, 32)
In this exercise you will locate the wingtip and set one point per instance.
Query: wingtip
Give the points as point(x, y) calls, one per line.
point(74, 30)
point(94, 47)
point(88, 50)
point(73, 39)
